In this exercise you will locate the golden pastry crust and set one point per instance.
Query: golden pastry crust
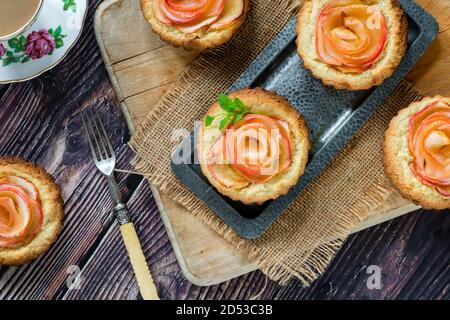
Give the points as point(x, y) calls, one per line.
point(52, 208)
point(397, 158)
point(271, 104)
point(200, 40)
point(397, 41)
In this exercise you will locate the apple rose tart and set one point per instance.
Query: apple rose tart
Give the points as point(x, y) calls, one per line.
point(417, 152)
point(195, 24)
point(352, 44)
point(31, 211)
point(253, 145)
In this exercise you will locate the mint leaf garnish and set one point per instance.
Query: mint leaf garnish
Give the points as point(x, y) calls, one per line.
point(234, 109)
point(209, 120)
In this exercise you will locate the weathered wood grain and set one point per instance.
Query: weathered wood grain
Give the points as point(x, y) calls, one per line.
point(414, 265)
point(430, 74)
point(110, 259)
point(39, 121)
point(58, 145)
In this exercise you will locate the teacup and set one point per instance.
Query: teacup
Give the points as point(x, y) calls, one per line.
point(16, 16)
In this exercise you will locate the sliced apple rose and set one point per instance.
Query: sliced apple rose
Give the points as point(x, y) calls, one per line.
point(190, 16)
point(20, 212)
point(429, 144)
point(350, 35)
point(254, 150)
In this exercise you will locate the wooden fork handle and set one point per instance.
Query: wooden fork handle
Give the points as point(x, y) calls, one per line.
point(144, 279)
point(133, 245)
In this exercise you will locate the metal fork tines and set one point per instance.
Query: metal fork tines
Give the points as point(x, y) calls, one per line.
point(102, 150)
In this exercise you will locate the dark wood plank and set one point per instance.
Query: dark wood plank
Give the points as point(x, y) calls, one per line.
point(412, 253)
point(108, 274)
point(40, 121)
point(414, 262)
point(61, 150)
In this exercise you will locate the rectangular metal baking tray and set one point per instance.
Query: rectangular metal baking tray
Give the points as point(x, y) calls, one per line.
point(333, 117)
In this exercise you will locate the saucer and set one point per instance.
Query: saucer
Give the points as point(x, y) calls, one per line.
point(45, 43)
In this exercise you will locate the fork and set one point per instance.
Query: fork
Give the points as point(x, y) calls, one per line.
point(105, 160)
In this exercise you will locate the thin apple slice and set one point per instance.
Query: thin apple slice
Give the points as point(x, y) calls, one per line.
point(7, 210)
point(444, 190)
point(37, 219)
point(21, 218)
point(232, 10)
point(160, 15)
point(21, 215)
point(227, 176)
point(29, 188)
point(285, 159)
point(211, 14)
point(220, 170)
point(285, 145)
point(194, 27)
point(180, 17)
point(186, 5)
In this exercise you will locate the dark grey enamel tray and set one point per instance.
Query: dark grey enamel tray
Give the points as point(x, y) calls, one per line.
point(333, 117)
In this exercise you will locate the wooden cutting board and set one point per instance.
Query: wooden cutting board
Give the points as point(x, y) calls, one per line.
point(141, 68)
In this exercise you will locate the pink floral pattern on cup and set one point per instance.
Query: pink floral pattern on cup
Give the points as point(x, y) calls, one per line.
point(35, 45)
point(39, 44)
point(2, 50)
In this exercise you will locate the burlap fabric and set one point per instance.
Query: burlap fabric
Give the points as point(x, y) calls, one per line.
point(302, 242)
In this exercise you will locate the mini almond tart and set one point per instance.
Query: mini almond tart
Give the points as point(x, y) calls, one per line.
point(417, 152)
point(263, 170)
point(195, 24)
point(352, 44)
point(31, 211)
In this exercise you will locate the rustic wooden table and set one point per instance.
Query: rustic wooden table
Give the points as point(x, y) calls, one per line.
point(40, 121)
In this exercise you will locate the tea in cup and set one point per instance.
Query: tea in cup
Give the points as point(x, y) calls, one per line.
point(16, 16)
